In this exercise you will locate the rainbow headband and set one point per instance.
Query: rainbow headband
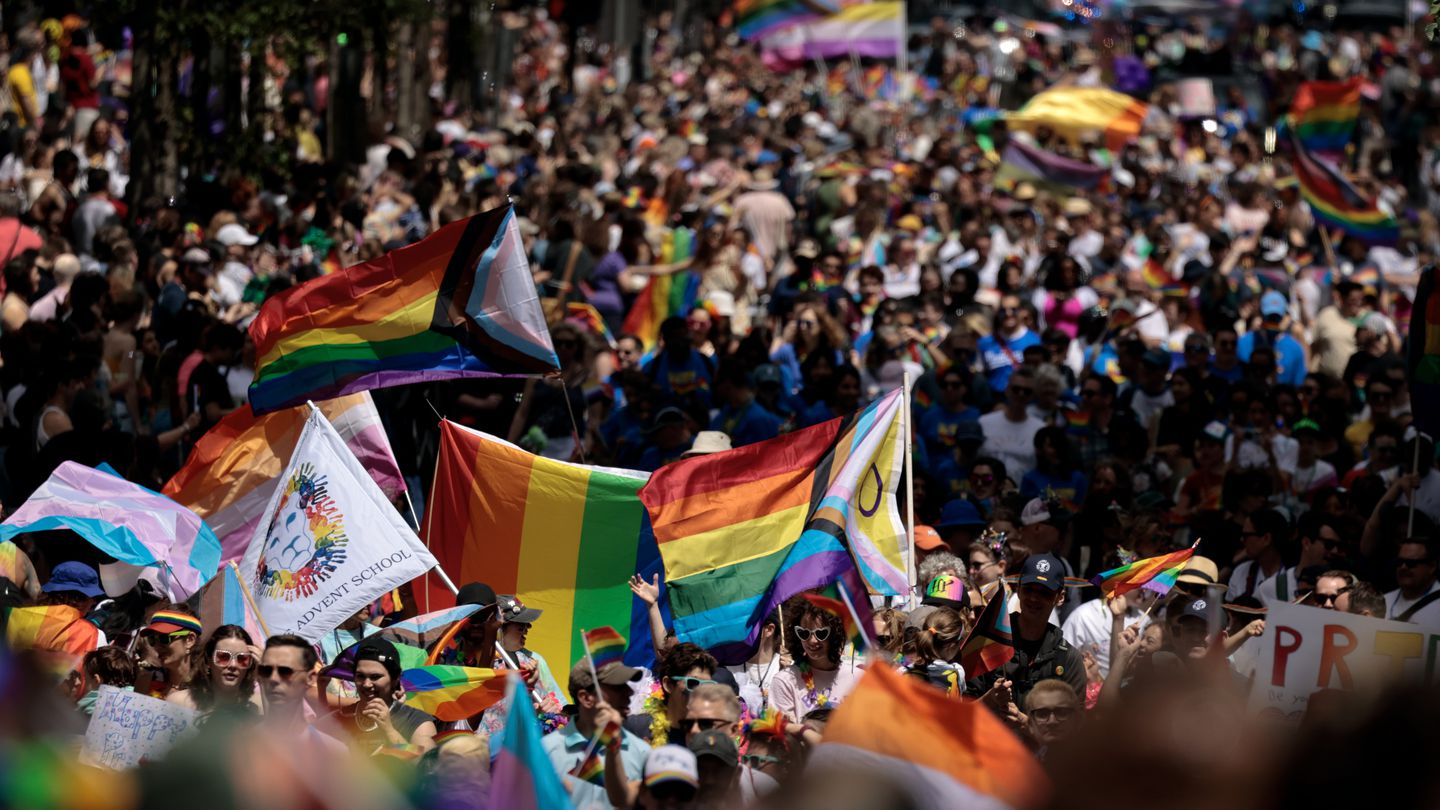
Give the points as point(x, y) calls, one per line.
point(181, 620)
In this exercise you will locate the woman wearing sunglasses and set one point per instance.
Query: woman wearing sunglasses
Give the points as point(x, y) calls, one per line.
point(816, 680)
point(224, 674)
point(167, 651)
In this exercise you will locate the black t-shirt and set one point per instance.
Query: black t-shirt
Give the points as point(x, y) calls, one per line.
point(407, 719)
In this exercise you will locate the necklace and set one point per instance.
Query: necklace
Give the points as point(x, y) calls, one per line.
point(761, 678)
point(817, 698)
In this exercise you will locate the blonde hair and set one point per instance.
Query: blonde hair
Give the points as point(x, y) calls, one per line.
point(718, 693)
point(942, 627)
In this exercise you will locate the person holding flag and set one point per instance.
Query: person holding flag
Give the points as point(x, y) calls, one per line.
point(600, 760)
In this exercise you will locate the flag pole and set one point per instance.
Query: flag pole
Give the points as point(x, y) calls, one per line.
point(1414, 470)
point(249, 598)
point(902, 58)
point(910, 492)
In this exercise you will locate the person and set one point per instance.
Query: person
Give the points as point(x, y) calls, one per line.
point(740, 417)
point(1290, 365)
point(15, 565)
point(1417, 595)
point(1320, 545)
point(169, 643)
point(1364, 599)
point(97, 211)
point(1053, 714)
point(933, 650)
point(818, 679)
point(756, 677)
point(1088, 627)
point(941, 421)
point(224, 679)
point(671, 779)
point(1057, 473)
point(960, 522)
point(477, 639)
point(593, 710)
point(287, 674)
point(669, 437)
point(207, 393)
point(106, 666)
point(683, 376)
point(379, 718)
point(682, 668)
point(516, 620)
point(56, 628)
point(717, 761)
point(1262, 535)
point(1001, 350)
point(1331, 588)
point(1335, 327)
point(984, 560)
point(1010, 431)
point(1040, 648)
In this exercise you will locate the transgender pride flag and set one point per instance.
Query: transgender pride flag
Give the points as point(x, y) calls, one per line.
point(876, 30)
point(523, 778)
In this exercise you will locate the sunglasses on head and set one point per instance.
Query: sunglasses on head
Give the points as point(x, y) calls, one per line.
point(285, 673)
point(689, 682)
point(244, 660)
point(819, 633)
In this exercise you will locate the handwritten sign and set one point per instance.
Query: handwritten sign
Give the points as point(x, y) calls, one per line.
point(128, 729)
point(1306, 650)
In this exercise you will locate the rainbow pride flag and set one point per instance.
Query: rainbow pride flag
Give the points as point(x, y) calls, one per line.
point(744, 530)
point(663, 296)
point(1152, 573)
point(1323, 115)
point(452, 693)
point(564, 538)
point(592, 767)
point(946, 753)
point(1074, 111)
point(58, 633)
point(1335, 202)
point(605, 645)
point(755, 19)
point(460, 303)
point(589, 317)
point(990, 642)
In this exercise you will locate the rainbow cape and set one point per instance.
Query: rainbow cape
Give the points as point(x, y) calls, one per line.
point(1323, 115)
point(990, 642)
point(1152, 573)
point(1339, 204)
point(452, 693)
point(460, 303)
point(663, 296)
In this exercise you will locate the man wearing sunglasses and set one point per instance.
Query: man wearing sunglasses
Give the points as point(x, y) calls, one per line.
point(1010, 431)
point(1418, 597)
point(595, 709)
point(1053, 712)
point(682, 668)
point(287, 674)
point(1320, 546)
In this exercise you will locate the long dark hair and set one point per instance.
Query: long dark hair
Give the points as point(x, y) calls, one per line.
point(202, 686)
point(801, 609)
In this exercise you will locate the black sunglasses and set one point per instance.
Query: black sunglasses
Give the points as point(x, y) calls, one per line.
point(266, 670)
point(703, 723)
point(673, 791)
point(1406, 563)
point(883, 640)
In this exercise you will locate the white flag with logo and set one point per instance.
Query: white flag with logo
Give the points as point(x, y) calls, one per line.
point(329, 542)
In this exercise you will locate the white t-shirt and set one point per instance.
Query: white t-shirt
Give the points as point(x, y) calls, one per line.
point(1090, 624)
point(1428, 616)
point(1269, 592)
point(1011, 442)
point(1147, 407)
point(1286, 449)
point(755, 682)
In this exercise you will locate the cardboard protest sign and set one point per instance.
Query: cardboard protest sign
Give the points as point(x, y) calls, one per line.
point(1306, 650)
point(129, 728)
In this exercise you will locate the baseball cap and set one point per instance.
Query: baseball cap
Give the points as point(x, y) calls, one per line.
point(610, 675)
point(1043, 569)
point(235, 234)
point(513, 610)
point(172, 621)
point(969, 432)
point(196, 255)
point(715, 743)
point(1215, 432)
point(1039, 510)
point(475, 593)
point(1273, 303)
point(378, 649)
point(1196, 609)
point(927, 539)
point(1199, 571)
point(1306, 426)
point(1156, 358)
point(667, 416)
point(74, 576)
point(959, 512)
point(767, 373)
point(671, 763)
point(945, 590)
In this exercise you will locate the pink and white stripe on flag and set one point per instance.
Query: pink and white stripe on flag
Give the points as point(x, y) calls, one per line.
point(876, 30)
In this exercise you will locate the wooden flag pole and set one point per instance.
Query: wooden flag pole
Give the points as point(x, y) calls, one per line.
point(909, 493)
point(249, 598)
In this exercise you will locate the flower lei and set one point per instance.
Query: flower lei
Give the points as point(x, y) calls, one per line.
point(654, 706)
point(819, 699)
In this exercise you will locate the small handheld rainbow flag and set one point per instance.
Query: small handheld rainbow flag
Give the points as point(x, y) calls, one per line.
point(592, 767)
point(1339, 204)
point(1154, 573)
point(990, 642)
point(1155, 275)
point(452, 693)
point(605, 646)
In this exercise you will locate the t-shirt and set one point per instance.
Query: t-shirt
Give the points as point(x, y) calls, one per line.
point(1011, 442)
point(1289, 354)
point(1000, 358)
point(207, 385)
point(77, 74)
point(748, 424)
point(566, 748)
point(792, 696)
point(22, 86)
point(939, 424)
point(1428, 616)
point(1088, 626)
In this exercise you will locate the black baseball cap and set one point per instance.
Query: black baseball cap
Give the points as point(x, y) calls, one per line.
point(475, 593)
point(715, 743)
point(378, 649)
point(1043, 569)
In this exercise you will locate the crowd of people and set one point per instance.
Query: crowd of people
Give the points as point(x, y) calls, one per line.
point(1178, 356)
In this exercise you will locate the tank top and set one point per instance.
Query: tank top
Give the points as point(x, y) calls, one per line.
point(41, 437)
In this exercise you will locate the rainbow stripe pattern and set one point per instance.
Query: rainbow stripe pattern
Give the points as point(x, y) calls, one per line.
point(744, 530)
point(452, 693)
point(946, 586)
point(755, 19)
point(990, 642)
point(1337, 203)
point(1153, 573)
point(664, 296)
point(57, 633)
point(592, 767)
point(460, 303)
point(425, 630)
point(562, 537)
point(1323, 115)
point(605, 645)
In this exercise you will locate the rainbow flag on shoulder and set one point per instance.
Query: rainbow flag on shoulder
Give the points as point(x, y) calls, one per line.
point(459, 303)
point(1152, 573)
point(744, 530)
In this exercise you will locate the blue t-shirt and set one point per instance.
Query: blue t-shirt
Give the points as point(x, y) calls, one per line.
point(624, 434)
point(654, 458)
point(684, 383)
point(999, 359)
point(1289, 354)
point(938, 426)
point(1070, 489)
point(748, 424)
